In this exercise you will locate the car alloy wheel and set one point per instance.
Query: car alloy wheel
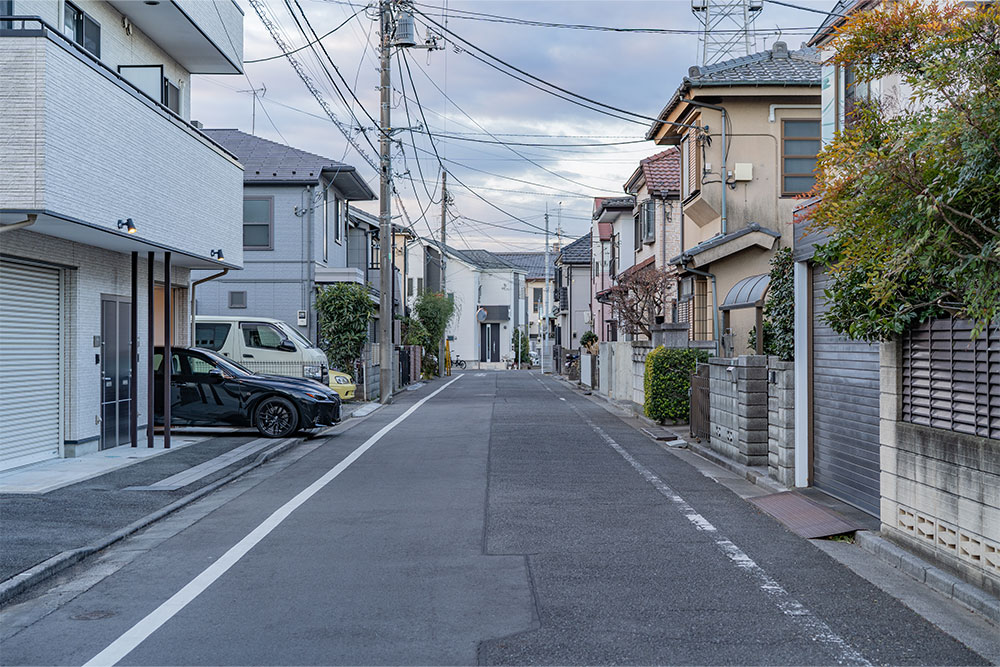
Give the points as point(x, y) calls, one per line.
point(276, 418)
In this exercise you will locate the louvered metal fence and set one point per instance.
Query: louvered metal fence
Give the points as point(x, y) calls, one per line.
point(951, 381)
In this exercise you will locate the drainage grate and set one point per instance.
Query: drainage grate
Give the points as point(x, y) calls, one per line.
point(804, 517)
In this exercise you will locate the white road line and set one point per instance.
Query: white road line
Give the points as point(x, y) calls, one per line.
point(817, 628)
point(138, 633)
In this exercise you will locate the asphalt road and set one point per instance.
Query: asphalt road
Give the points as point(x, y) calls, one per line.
point(505, 520)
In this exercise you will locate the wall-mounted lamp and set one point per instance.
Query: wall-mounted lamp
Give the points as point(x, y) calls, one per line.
point(217, 254)
point(127, 225)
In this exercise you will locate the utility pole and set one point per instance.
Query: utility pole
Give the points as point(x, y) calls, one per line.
point(444, 280)
point(546, 307)
point(385, 214)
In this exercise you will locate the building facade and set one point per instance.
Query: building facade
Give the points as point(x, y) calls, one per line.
point(104, 184)
point(748, 131)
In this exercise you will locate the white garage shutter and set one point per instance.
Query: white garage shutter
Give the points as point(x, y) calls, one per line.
point(845, 388)
point(29, 364)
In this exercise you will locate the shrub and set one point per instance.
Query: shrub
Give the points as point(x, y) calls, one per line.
point(779, 310)
point(589, 341)
point(667, 382)
point(344, 312)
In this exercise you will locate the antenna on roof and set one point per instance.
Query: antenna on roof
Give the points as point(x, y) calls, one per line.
point(726, 28)
point(253, 116)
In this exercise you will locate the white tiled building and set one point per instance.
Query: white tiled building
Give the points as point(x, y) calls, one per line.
point(94, 121)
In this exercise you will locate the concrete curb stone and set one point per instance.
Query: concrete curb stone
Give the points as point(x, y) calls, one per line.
point(934, 577)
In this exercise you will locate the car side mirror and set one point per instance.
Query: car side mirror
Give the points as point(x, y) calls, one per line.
point(286, 345)
point(216, 375)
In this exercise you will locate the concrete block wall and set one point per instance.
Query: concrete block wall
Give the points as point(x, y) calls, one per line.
point(739, 408)
point(940, 489)
point(781, 421)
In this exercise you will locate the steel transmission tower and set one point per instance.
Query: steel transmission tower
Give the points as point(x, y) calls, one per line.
point(726, 28)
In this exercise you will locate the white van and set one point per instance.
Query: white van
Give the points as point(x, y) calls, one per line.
point(262, 344)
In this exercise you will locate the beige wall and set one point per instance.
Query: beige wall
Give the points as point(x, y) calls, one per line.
point(751, 138)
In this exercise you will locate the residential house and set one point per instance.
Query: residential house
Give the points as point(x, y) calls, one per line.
point(748, 131)
point(902, 430)
point(656, 215)
point(538, 284)
point(489, 296)
point(109, 198)
point(573, 292)
point(296, 233)
point(611, 231)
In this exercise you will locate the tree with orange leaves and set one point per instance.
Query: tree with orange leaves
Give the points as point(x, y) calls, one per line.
point(910, 190)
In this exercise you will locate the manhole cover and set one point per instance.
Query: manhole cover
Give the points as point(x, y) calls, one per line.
point(95, 615)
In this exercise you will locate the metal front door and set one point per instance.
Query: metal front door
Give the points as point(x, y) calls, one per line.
point(115, 372)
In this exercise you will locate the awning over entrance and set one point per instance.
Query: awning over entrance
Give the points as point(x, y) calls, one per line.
point(747, 293)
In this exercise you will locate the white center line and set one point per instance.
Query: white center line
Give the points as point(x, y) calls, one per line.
point(138, 633)
point(817, 628)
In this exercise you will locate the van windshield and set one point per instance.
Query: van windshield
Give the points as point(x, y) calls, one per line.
point(295, 335)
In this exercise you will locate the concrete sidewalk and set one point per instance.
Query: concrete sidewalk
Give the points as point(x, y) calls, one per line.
point(58, 512)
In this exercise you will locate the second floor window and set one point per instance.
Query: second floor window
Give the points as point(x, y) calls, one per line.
point(800, 141)
point(82, 29)
point(258, 223)
point(536, 299)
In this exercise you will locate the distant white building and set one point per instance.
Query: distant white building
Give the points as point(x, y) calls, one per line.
point(103, 181)
point(490, 299)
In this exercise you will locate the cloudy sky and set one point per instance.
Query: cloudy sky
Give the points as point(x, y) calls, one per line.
point(469, 107)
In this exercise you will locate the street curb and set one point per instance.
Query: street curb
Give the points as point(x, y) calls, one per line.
point(952, 587)
point(752, 476)
point(21, 582)
point(943, 582)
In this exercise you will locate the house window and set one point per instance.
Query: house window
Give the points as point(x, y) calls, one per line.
point(647, 222)
point(82, 29)
point(337, 217)
point(537, 295)
point(800, 141)
point(637, 232)
point(237, 299)
point(258, 223)
point(171, 96)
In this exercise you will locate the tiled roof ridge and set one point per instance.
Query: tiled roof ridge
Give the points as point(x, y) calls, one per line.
point(659, 156)
point(807, 54)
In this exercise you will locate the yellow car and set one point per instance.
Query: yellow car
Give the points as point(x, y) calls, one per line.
point(342, 384)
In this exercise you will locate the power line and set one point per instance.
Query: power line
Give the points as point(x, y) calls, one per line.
point(304, 46)
point(480, 126)
point(495, 18)
point(539, 79)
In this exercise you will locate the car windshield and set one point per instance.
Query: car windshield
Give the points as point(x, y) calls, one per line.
point(228, 365)
point(295, 335)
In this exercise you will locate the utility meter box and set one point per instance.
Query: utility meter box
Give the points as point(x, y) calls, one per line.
point(303, 318)
point(743, 171)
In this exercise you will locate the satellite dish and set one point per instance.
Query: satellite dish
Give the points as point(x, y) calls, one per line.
point(481, 315)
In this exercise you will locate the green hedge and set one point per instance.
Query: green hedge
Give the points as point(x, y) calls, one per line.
point(667, 382)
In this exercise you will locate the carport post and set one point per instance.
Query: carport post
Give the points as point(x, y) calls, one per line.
point(150, 348)
point(133, 349)
point(168, 366)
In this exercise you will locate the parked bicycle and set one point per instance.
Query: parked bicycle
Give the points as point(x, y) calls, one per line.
point(458, 363)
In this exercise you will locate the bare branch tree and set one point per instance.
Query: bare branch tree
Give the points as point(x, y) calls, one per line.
point(638, 297)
